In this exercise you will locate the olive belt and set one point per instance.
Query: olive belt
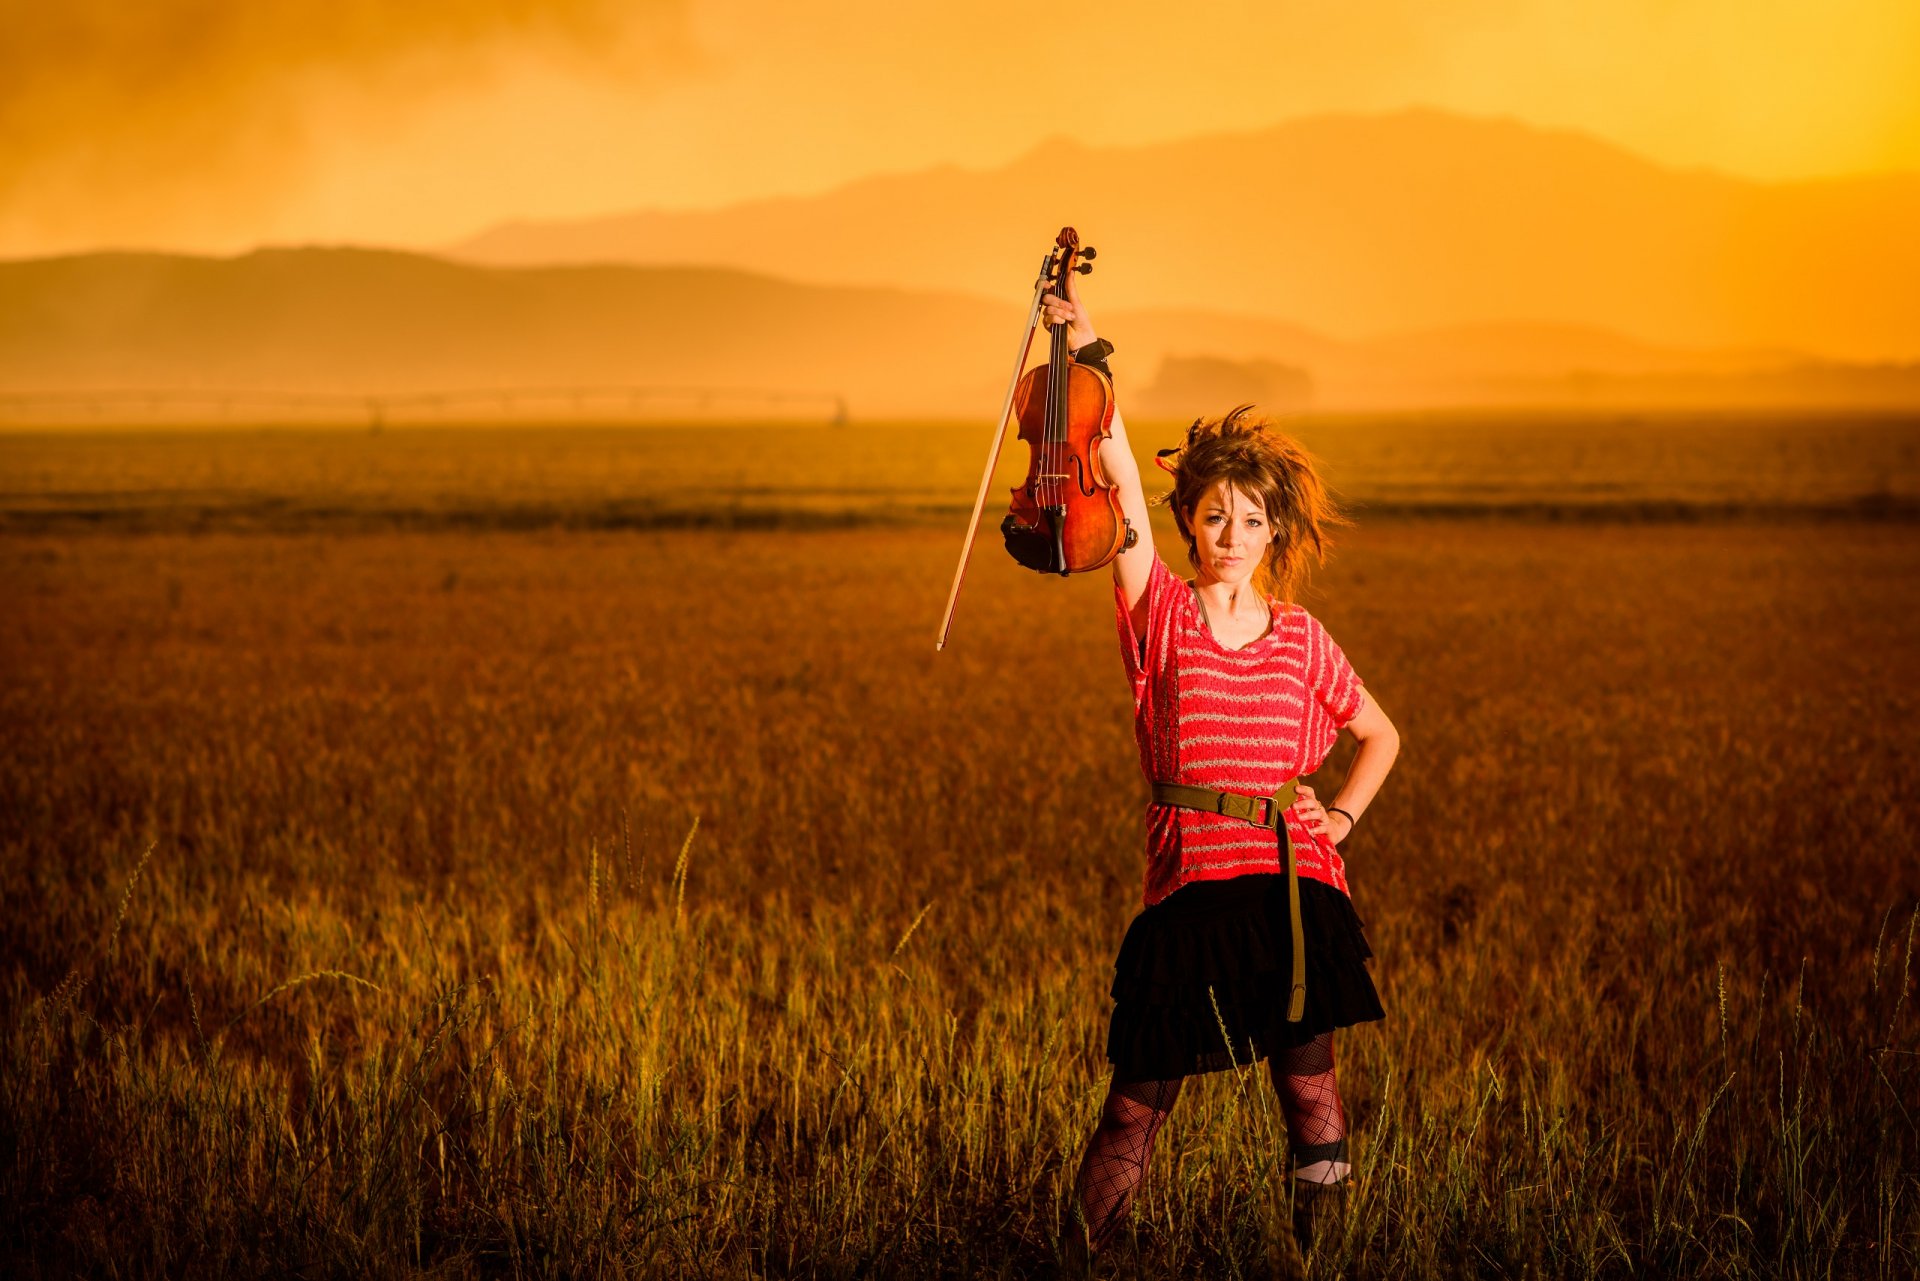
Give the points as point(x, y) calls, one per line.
point(1260, 811)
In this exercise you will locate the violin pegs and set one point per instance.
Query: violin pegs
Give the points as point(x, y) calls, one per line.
point(1084, 268)
point(1089, 252)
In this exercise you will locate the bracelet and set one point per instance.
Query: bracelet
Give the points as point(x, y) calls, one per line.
point(1352, 822)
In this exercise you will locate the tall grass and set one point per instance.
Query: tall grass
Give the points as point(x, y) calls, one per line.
point(384, 1000)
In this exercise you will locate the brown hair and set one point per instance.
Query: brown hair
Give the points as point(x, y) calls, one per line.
point(1258, 459)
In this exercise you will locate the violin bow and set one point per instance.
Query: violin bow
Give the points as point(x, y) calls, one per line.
point(993, 452)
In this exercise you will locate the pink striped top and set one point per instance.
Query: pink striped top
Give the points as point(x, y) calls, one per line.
point(1242, 720)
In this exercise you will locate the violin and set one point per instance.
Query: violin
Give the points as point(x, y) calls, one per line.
point(1065, 517)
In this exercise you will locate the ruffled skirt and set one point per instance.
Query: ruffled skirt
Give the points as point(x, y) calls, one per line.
point(1201, 981)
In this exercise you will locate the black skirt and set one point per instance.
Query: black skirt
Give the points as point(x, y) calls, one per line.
point(1201, 981)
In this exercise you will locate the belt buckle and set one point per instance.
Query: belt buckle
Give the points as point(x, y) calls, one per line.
point(1244, 808)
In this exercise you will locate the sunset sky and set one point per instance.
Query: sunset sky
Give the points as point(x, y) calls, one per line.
point(214, 125)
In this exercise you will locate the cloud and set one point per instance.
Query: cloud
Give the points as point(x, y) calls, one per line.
point(137, 119)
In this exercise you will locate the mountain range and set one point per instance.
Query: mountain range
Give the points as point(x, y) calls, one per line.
point(1339, 262)
point(1352, 225)
point(371, 322)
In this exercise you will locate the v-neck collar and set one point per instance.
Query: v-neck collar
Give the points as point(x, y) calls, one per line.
point(1206, 628)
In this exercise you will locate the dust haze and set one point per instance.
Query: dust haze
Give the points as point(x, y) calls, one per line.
point(205, 107)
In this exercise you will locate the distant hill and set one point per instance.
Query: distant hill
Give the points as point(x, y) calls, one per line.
point(1190, 385)
point(364, 321)
point(1355, 225)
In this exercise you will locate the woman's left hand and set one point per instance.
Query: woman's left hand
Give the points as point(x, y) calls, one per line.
point(1315, 816)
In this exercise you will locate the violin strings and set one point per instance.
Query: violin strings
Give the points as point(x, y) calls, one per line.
point(1057, 369)
point(1066, 387)
point(1053, 349)
point(1060, 412)
point(1051, 490)
point(1053, 414)
point(1045, 496)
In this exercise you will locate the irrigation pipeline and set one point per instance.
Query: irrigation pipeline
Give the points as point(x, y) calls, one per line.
point(492, 404)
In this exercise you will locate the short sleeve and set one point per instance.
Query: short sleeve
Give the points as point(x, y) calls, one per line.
point(1149, 652)
point(1336, 686)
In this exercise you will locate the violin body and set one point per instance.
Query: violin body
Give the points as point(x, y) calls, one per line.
point(1065, 516)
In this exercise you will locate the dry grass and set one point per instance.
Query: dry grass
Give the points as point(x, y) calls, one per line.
point(429, 972)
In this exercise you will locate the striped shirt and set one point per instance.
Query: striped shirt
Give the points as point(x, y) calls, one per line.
point(1243, 720)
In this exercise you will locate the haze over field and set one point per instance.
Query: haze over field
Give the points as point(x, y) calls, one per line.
point(362, 322)
point(1501, 204)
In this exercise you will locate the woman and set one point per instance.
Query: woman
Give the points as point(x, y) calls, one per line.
point(1237, 692)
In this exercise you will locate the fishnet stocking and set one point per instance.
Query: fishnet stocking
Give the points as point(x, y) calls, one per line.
point(1303, 1077)
point(1118, 1153)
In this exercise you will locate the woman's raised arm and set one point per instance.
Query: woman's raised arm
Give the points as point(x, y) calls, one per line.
point(1132, 567)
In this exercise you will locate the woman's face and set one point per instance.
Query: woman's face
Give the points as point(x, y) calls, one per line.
point(1230, 533)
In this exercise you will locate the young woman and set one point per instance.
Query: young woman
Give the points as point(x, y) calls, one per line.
point(1237, 692)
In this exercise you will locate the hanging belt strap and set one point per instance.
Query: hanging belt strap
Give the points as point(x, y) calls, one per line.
point(1261, 811)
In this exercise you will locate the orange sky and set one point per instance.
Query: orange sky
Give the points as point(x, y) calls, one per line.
point(214, 124)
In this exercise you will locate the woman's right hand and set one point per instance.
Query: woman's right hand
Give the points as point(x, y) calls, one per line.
point(1070, 311)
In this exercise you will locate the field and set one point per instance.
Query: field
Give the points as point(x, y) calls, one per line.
point(555, 854)
point(1591, 465)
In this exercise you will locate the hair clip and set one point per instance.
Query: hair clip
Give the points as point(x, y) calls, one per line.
point(1168, 460)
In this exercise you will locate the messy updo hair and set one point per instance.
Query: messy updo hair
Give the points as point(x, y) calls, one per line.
point(1258, 459)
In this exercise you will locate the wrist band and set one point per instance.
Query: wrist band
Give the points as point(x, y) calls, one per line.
point(1352, 822)
point(1095, 354)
